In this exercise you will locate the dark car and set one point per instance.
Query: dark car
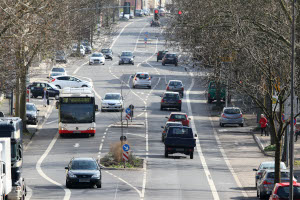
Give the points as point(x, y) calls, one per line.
point(83, 171)
point(31, 114)
point(175, 86)
point(87, 46)
point(37, 89)
point(170, 100)
point(61, 57)
point(126, 58)
point(107, 53)
point(154, 23)
point(165, 128)
point(170, 58)
point(160, 55)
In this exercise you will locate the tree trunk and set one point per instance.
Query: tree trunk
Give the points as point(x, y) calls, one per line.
point(218, 94)
point(278, 144)
point(17, 99)
point(23, 98)
point(269, 105)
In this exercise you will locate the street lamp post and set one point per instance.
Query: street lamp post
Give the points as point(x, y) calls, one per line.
point(291, 193)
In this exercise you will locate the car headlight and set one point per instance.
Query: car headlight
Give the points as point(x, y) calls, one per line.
point(131, 58)
point(96, 175)
point(71, 175)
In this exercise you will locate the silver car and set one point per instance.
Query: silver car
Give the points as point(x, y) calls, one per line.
point(141, 79)
point(175, 86)
point(112, 101)
point(266, 184)
point(265, 166)
point(231, 115)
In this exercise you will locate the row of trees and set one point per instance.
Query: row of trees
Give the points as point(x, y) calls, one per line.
point(30, 28)
point(248, 41)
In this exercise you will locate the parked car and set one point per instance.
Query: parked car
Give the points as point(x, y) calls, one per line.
point(179, 117)
point(180, 139)
point(212, 90)
point(54, 74)
point(281, 191)
point(146, 12)
point(125, 17)
point(175, 86)
point(160, 55)
point(59, 70)
point(131, 15)
point(264, 166)
point(170, 100)
point(112, 101)
point(87, 47)
point(165, 128)
point(139, 13)
point(61, 57)
point(37, 89)
point(81, 50)
point(162, 12)
point(154, 23)
point(170, 58)
point(126, 58)
point(141, 79)
point(85, 171)
point(265, 185)
point(31, 114)
point(97, 58)
point(69, 81)
point(108, 53)
point(231, 115)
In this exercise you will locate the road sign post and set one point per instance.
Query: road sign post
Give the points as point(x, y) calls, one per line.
point(126, 148)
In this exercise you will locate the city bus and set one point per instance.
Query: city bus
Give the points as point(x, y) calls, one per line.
point(76, 111)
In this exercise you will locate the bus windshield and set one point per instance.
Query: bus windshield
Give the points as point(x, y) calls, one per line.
point(77, 113)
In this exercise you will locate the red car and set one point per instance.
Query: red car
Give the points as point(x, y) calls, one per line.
point(179, 117)
point(281, 191)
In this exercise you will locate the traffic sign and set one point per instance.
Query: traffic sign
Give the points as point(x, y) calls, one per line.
point(131, 106)
point(145, 39)
point(126, 147)
point(127, 116)
point(125, 155)
point(127, 110)
point(295, 121)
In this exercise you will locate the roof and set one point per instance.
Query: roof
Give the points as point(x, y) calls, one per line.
point(169, 92)
point(286, 184)
point(179, 113)
point(112, 93)
point(173, 123)
point(142, 72)
point(175, 81)
point(84, 158)
point(77, 92)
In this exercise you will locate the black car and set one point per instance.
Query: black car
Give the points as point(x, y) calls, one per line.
point(160, 55)
point(31, 114)
point(154, 23)
point(126, 58)
point(107, 53)
point(61, 57)
point(87, 46)
point(83, 171)
point(170, 100)
point(37, 89)
point(170, 58)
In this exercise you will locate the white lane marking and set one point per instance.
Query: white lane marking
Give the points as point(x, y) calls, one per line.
point(136, 135)
point(29, 192)
point(52, 122)
point(139, 38)
point(78, 68)
point(90, 80)
point(76, 145)
point(199, 150)
point(42, 174)
point(227, 160)
point(113, 43)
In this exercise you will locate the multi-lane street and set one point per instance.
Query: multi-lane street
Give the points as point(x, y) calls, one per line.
point(210, 175)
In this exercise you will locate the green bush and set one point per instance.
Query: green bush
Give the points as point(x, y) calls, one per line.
point(270, 148)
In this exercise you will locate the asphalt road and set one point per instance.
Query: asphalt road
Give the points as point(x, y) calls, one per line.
point(208, 176)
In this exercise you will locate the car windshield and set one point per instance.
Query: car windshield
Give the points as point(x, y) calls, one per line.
point(55, 74)
point(53, 86)
point(175, 83)
point(77, 113)
point(138, 11)
point(170, 55)
point(232, 111)
point(180, 132)
point(105, 50)
point(30, 107)
point(126, 54)
point(97, 55)
point(58, 69)
point(142, 76)
point(283, 175)
point(173, 124)
point(178, 116)
point(283, 192)
point(271, 166)
point(112, 97)
point(84, 165)
point(171, 96)
point(60, 53)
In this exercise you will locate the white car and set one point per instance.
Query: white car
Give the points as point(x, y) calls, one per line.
point(69, 81)
point(112, 101)
point(82, 49)
point(97, 58)
point(141, 79)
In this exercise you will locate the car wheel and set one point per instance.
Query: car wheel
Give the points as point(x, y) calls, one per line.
point(163, 64)
point(166, 154)
point(149, 87)
point(162, 139)
point(179, 109)
point(241, 125)
point(257, 195)
point(35, 96)
point(261, 196)
point(176, 64)
point(119, 63)
point(68, 185)
point(209, 100)
point(161, 108)
point(111, 59)
point(192, 155)
point(84, 86)
point(133, 63)
point(92, 134)
point(99, 185)
point(157, 60)
point(133, 86)
point(58, 86)
point(103, 63)
point(221, 124)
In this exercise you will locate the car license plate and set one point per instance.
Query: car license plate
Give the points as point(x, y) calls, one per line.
point(180, 149)
point(84, 180)
point(77, 131)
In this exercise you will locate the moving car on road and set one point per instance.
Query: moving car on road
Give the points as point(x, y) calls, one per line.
point(81, 50)
point(69, 81)
point(83, 171)
point(31, 114)
point(58, 70)
point(180, 140)
point(170, 58)
point(61, 57)
point(212, 91)
point(231, 115)
point(126, 58)
point(175, 86)
point(165, 128)
point(160, 55)
point(141, 79)
point(179, 117)
point(170, 100)
point(107, 53)
point(139, 13)
point(97, 58)
point(282, 190)
point(37, 89)
point(112, 101)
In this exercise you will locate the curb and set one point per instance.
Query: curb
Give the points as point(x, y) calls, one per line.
point(261, 146)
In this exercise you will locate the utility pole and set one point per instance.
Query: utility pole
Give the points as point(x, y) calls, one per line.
point(122, 133)
point(291, 193)
point(134, 6)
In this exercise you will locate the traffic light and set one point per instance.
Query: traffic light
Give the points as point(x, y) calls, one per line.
point(179, 12)
point(156, 16)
